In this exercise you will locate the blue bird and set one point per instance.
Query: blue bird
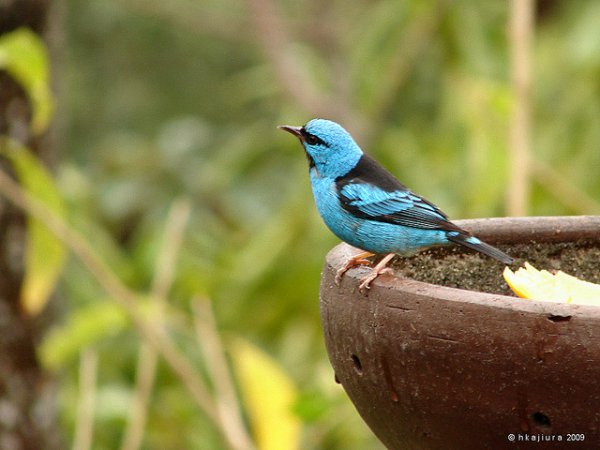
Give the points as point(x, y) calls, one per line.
point(367, 207)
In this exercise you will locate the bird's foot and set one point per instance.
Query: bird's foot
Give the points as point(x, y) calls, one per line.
point(356, 260)
point(380, 268)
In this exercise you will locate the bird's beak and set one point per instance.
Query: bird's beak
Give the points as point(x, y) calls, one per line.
point(296, 131)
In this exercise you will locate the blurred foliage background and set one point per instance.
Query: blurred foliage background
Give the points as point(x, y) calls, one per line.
point(167, 114)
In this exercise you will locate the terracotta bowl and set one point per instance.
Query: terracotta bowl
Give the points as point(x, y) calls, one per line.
point(432, 367)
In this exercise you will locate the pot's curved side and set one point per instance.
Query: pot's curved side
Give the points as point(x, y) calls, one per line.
point(441, 368)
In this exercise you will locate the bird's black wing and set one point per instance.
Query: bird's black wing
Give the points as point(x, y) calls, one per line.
point(371, 192)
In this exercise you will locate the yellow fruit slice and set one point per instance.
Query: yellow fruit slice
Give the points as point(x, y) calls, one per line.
point(529, 282)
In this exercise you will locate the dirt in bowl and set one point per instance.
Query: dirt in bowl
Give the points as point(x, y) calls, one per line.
point(464, 269)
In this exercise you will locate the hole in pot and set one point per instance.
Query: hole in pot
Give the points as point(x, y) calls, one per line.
point(557, 318)
point(541, 419)
point(357, 364)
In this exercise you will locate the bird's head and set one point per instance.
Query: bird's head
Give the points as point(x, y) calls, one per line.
point(329, 147)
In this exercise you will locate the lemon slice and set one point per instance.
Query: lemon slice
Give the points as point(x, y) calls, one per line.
point(534, 284)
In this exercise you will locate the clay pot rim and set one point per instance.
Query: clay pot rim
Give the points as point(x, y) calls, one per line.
point(494, 231)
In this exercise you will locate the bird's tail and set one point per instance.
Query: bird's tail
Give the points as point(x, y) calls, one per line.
point(477, 244)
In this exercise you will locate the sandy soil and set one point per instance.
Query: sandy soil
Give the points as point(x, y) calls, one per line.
point(462, 268)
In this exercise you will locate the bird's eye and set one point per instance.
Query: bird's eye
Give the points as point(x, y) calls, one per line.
point(311, 139)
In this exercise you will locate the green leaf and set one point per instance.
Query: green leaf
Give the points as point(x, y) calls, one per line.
point(269, 395)
point(312, 406)
point(25, 57)
point(45, 255)
point(85, 326)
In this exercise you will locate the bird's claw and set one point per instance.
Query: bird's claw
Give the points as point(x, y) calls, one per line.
point(365, 283)
point(359, 260)
point(380, 268)
point(356, 260)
